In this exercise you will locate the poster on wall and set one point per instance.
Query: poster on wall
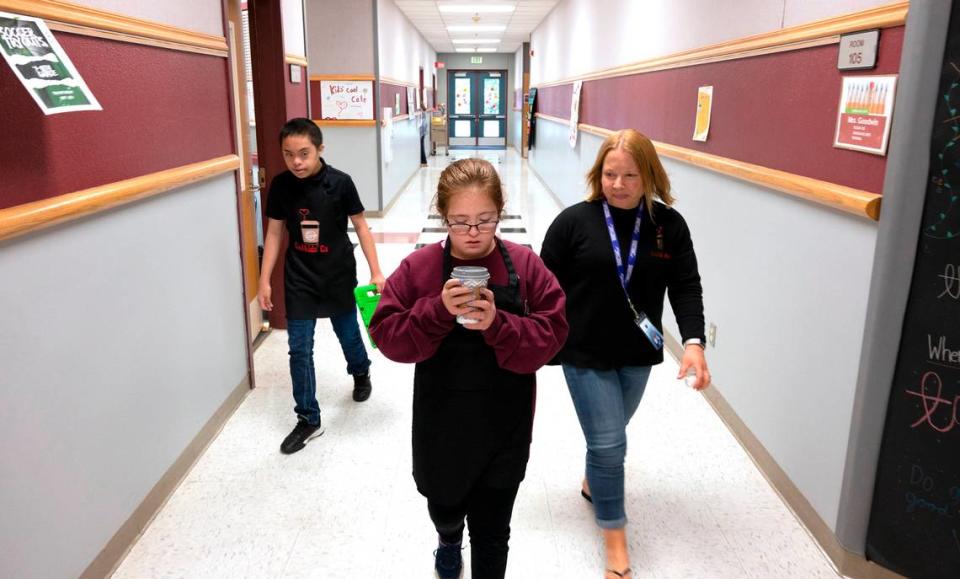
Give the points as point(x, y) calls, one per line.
point(411, 100)
point(701, 127)
point(43, 67)
point(346, 100)
point(863, 120)
point(574, 113)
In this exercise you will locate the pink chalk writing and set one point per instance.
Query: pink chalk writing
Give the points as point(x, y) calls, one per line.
point(932, 402)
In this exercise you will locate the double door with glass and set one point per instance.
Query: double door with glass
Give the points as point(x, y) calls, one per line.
point(478, 110)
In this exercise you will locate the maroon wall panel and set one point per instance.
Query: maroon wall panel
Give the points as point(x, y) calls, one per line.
point(296, 94)
point(161, 109)
point(777, 110)
point(388, 94)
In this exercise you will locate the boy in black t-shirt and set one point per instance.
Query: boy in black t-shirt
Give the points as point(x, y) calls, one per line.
point(312, 201)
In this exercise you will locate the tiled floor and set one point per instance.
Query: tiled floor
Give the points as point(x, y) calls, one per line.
point(346, 505)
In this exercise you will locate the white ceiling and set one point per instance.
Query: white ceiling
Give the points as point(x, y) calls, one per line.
point(432, 24)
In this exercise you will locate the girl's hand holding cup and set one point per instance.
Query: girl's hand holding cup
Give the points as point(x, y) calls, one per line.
point(455, 297)
point(484, 311)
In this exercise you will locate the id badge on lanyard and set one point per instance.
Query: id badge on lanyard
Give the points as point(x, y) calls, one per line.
point(639, 318)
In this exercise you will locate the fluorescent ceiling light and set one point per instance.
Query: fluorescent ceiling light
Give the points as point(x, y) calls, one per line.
point(476, 41)
point(471, 28)
point(487, 49)
point(474, 8)
point(461, 49)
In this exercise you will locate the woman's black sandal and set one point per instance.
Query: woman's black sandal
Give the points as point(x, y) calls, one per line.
point(623, 573)
point(584, 494)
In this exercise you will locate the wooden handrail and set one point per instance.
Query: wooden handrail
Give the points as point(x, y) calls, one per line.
point(848, 199)
point(79, 19)
point(29, 217)
point(793, 38)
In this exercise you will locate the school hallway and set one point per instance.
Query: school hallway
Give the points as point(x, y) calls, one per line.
point(346, 505)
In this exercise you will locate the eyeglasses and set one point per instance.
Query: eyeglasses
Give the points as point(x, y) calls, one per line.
point(464, 228)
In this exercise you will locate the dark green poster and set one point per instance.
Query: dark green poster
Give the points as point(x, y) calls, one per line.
point(42, 66)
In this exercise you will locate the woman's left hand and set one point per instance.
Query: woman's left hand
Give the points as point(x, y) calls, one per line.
point(693, 357)
point(485, 310)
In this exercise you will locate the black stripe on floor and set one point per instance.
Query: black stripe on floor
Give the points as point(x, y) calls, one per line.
point(513, 230)
point(435, 216)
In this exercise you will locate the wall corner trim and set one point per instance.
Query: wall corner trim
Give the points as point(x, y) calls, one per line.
point(28, 217)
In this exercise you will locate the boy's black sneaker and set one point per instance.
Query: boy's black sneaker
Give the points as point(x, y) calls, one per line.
point(361, 387)
point(449, 561)
point(302, 433)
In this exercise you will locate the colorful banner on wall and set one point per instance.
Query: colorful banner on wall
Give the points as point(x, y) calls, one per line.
point(863, 121)
point(42, 66)
point(575, 113)
point(701, 127)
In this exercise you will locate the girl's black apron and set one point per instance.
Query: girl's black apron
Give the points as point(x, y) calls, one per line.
point(472, 419)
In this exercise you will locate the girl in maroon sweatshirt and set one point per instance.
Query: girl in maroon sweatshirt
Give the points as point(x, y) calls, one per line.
point(474, 384)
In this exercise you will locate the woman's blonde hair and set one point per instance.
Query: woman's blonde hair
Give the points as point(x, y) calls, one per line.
point(464, 174)
point(656, 184)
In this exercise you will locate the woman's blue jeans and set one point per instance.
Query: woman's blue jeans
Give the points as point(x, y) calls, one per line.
point(605, 401)
point(302, 372)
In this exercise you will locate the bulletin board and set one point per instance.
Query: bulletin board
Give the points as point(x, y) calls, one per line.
point(346, 99)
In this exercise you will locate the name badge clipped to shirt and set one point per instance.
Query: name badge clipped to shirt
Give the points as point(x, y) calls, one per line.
point(651, 331)
point(625, 272)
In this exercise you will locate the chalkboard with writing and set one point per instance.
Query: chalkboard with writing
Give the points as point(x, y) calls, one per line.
point(915, 520)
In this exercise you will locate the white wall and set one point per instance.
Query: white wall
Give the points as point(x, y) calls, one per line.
point(340, 36)
point(206, 17)
point(292, 11)
point(402, 53)
point(405, 162)
point(577, 38)
point(516, 120)
point(354, 151)
point(124, 333)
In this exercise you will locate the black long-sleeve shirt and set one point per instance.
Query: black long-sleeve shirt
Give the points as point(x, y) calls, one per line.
point(603, 334)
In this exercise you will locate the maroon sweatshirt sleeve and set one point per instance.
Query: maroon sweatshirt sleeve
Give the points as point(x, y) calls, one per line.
point(525, 343)
point(410, 320)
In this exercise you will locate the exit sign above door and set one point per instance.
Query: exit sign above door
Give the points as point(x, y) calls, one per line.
point(476, 60)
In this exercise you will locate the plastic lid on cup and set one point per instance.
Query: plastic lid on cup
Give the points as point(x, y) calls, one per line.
point(470, 273)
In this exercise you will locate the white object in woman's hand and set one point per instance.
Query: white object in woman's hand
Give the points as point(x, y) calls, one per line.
point(694, 361)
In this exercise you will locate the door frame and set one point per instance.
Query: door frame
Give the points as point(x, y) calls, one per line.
point(476, 90)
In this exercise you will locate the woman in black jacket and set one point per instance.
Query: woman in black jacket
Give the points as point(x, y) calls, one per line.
point(616, 255)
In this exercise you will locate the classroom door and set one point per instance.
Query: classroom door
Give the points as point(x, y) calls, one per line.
point(478, 117)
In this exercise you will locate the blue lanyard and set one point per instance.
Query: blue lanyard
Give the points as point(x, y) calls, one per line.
point(624, 273)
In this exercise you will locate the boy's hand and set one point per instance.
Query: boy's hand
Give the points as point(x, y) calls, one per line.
point(264, 296)
point(379, 281)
